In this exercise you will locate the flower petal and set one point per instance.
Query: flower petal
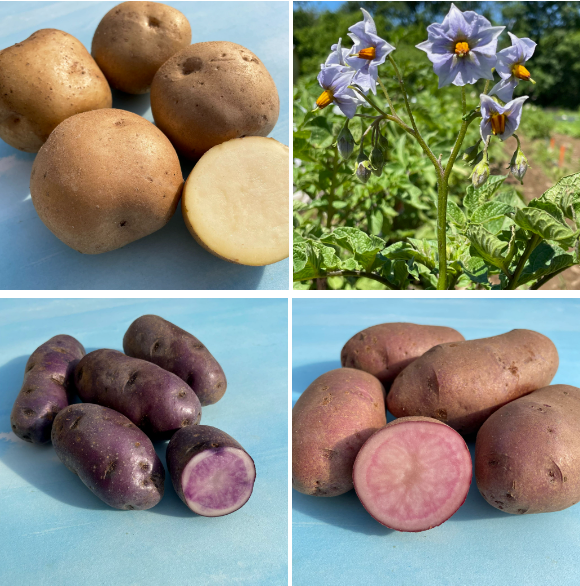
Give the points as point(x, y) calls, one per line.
point(504, 90)
point(485, 129)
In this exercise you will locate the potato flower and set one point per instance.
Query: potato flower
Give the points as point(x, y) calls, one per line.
point(500, 121)
point(335, 81)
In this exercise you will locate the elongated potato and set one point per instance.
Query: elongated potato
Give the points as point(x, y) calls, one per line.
point(463, 383)
point(527, 454)
point(48, 387)
point(156, 340)
point(112, 456)
point(385, 349)
point(331, 420)
point(155, 400)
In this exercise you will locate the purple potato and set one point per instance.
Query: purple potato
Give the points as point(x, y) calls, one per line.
point(155, 400)
point(152, 338)
point(112, 456)
point(210, 471)
point(48, 387)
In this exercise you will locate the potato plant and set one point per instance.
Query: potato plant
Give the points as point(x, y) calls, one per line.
point(378, 197)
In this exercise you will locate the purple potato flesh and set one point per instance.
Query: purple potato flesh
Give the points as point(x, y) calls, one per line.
point(48, 387)
point(154, 399)
point(156, 340)
point(211, 472)
point(112, 456)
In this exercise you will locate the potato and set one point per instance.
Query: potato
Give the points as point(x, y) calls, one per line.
point(527, 454)
point(235, 201)
point(463, 383)
point(331, 420)
point(155, 400)
point(44, 80)
point(112, 457)
point(413, 474)
point(385, 349)
point(212, 92)
point(134, 39)
point(48, 387)
point(157, 340)
point(210, 471)
point(104, 179)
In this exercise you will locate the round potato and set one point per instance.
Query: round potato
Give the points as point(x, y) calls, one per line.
point(212, 92)
point(44, 80)
point(235, 201)
point(104, 179)
point(134, 39)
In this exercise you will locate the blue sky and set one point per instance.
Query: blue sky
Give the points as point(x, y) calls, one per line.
point(324, 5)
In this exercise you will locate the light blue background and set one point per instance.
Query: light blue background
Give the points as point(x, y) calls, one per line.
point(336, 542)
point(53, 530)
point(33, 258)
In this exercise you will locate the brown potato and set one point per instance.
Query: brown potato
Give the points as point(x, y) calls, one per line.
point(104, 179)
point(134, 39)
point(212, 92)
point(463, 383)
point(385, 349)
point(331, 421)
point(44, 80)
point(527, 454)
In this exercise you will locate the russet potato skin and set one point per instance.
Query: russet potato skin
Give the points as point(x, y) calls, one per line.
point(527, 454)
point(44, 80)
point(463, 383)
point(212, 92)
point(331, 421)
point(104, 179)
point(134, 39)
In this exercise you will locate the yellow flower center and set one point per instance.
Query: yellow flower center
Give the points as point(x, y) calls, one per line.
point(521, 72)
point(324, 99)
point(461, 49)
point(498, 123)
point(369, 53)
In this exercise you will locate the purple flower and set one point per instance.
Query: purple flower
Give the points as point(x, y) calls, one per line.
point(368, 52)
point(335, 80)
point(501, 121)
point(510, 66)
point(338, 55)
point(462, 48)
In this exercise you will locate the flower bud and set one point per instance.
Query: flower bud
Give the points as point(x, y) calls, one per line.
point(345, 143)
point(480, 173)
point(470, 153)
point(383, 143)
point(363, 167)
point(377, 161)
point(518, 165)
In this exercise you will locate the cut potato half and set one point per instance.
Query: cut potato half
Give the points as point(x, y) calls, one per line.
point(235, 201)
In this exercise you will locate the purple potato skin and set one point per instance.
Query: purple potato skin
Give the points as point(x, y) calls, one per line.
point(190, 441)
point(112, 456)
point(156, 340)
point(48, 387)
point(463, 383)
point(527, 454)
point(155, 400)
point(385, 349)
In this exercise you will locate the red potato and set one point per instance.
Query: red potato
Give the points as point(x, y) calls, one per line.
point(385, 349)
point(413, 474)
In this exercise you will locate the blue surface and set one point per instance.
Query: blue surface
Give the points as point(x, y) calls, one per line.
point(336, 542)
point(53, 530)
point(169, 259)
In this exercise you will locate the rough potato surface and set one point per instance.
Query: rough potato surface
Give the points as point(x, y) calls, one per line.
point(44, 80)
point(385, 349)
point(157, 340)
point(112, 456)
point(48, 387)
point(331, 420)
point(527, 454)
point(463, 383)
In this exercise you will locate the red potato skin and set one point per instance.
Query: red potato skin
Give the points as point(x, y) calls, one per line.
point(155, 400)
point(527, 454)
point(406, 420)
point(157, 340)
point(463, 383)
point(385, 349)
point(112, 456)
point(331, 420)
point(48, 387)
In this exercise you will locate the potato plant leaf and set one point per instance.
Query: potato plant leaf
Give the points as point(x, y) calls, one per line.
point(545, 260)
point(543, 224)
point(364, 247)
point(490, 248)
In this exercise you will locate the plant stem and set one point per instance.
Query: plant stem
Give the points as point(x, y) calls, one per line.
point(546, 278)
point(332, 190)
point(442, 191)
point(463, 100)
point(388, 98)
point(532, 243)
point(345, 273)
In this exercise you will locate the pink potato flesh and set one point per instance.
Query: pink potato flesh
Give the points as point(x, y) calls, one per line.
point(413, 474)
point(218, 481)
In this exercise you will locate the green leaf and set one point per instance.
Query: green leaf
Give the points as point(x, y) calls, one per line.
point(491, 210)
point(549, 207)
point(312, 259)
point(421, 251)
point(376, 222)
point(490, 248)
point(475, 197)
point(339, 205)
point(364, 248)
point(565, 194)
point(510, 197)
point(455, 214)
point(545, 260)
point(543, 224)
point(476, 269)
